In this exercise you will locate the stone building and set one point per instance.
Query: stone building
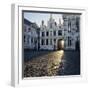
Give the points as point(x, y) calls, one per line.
point(50, 34)
point(30, 35)
point(49, 37)
point(71, 25)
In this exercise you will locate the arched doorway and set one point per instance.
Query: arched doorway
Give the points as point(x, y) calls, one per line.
point(60, 44)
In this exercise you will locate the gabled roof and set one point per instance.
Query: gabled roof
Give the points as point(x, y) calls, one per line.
point(27, 22)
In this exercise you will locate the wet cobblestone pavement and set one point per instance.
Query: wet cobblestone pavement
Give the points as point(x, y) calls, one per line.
point(45, 65)
point(52, 63)
point(71, 63)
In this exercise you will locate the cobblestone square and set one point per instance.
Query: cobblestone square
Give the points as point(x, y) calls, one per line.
point(51, 63)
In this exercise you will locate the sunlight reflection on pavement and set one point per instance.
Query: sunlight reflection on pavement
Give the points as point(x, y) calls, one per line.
point(45, 65)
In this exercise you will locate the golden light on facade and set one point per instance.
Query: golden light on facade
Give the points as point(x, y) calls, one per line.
point(62, 44)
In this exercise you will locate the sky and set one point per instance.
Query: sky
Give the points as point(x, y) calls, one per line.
point(38, 17)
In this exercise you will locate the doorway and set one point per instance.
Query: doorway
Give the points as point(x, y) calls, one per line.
point(60, 44)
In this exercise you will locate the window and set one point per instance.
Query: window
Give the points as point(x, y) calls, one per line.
point(55, 24)
point(54, 33)
point(24, 39)
point(29, 29)
point(54, 40)
point(59, 32)
point(50, 41)
point(69, 25)
point(50, 33)
point(69, 41)
point(42, 42)
point(43, 34)
point(46, 41)
point(59, 26)
point(47, 33)
point(65, 29)
point(31, 40)
point(77, 24)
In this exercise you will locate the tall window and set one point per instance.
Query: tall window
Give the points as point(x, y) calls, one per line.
point(50, 41)
point(47, 33)
point(31, 40)
point(24, 38)
point(42, 41)
point(55, 24)
point(54, 40)
point(29, 29)
point(54, 33)
point(43, 34)
point(46, 41)
point(69, 25)
point(77, 24)
point(50, 33)
point(69, 41)
point(59, 32)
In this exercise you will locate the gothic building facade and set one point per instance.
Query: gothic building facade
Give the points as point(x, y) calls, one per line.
point(48, 37)
point(51, 34)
